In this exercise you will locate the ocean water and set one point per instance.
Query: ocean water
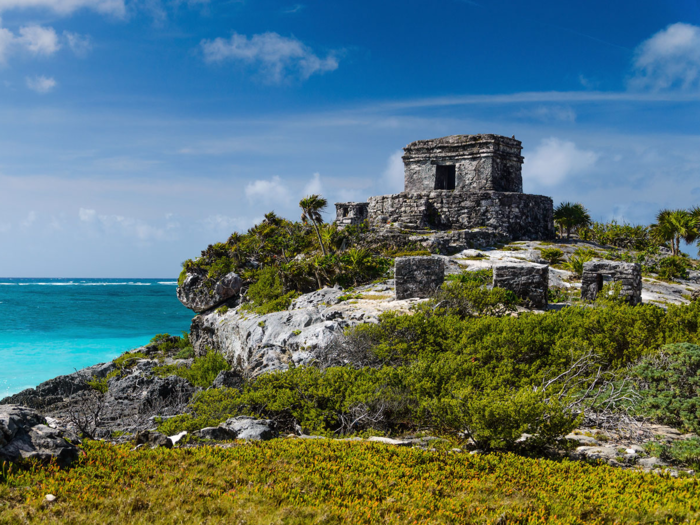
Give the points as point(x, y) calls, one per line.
point(50, 327)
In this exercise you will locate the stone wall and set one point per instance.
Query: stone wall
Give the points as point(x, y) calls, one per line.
point(418, 276)
point(521, 216)
point(598, 273)
point(482, 163)
point(529, 282)
point(350, 213)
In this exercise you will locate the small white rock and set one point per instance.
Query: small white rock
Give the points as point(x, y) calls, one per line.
point(177, 437)
point(50, 498)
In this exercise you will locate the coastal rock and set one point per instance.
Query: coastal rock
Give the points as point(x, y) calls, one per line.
point(217, 433)
point(152, 439)
point(59, 388)
point(320, 298)
point(166, 390)
point(228, 379)
point(418, 276)
point(695, 296)
point(24, 434)
point(246, 427)
point(200, 294)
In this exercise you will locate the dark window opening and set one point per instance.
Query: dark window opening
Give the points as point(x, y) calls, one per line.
point(599, 282)
point(445, 177)
point(345, 212)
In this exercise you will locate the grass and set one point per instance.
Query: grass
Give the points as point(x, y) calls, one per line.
point(323, 481)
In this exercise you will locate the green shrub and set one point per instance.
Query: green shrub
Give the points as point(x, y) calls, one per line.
point(685, 451)
point(221, 310)
point(202, 372)
point(470, 299)
point(98, 384)
point(633, 237)
point(670, 385)
point(556, 294)
point(576, 261)
point(481, 277)
point(674, 267)
point(552, 255)
point(410, 253)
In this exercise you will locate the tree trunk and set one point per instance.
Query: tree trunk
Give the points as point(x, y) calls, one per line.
point(318, 234)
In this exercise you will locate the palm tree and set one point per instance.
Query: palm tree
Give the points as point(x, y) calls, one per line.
point(311, 208)
point(676, 225)
point(570, 215)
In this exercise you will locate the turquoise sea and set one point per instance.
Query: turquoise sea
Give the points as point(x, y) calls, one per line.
point(50, 327)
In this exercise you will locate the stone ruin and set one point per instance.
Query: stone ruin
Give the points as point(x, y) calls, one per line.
point(597, 274)
point(418, 276)
point(460, 182)
point(529, 282)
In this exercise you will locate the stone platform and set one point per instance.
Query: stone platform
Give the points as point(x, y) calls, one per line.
point(521, 216)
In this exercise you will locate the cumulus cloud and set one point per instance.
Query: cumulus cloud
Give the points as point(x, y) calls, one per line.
point(41, 84)
point(670, 59)
point(79, 44)
point(554, 160)
point(277, 58)
point(34, 40)
point(267, 191)
point(39, 40)
point(394, 173)
point(226, 225)
point(314, 187)
point(66, 7)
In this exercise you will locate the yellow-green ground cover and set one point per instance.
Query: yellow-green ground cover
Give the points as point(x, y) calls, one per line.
point(323, 481)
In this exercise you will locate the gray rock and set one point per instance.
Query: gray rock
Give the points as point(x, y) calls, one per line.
point(228, 379)
point(23, 434)
point(217, 434)
point(583, 440)
point(450, 242)
point(198, 293)
point(246, 427)
point(651, 463)
point(318, 299)
point(604, 453)
point(598, 273)
point(350, 213)
point(418, 276)
point(152, 439)
point(529, 282)
point(695, 296)
point(166, 390)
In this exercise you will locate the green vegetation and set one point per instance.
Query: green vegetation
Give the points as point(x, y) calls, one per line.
point(671, 380)
point(202, 372)
point(631, 237)
point(685, 451)
point(409, 253)
point(576, 260)
point(673, 226)
point(320, 481)
point(552, 255)
point(674, 267)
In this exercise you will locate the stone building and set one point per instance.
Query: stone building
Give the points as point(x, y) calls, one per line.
point(597, 274)
point(460, 182)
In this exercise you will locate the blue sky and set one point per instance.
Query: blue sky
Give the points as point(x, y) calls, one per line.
point(135, 132)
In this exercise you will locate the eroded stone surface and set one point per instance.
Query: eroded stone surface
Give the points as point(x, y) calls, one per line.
point(529, 282)
point(418, 276)
point(24, 434)
point(245, 427)
point(598, 273)
point(351, 213)
point(198, 294)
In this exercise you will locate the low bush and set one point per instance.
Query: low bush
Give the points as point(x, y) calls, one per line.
point(670, 386)
point(674, 267)
point(577, 260)
point(469, 298)
point(633, 237)
point(202, 372)
point(482, 277)
point(552, 255)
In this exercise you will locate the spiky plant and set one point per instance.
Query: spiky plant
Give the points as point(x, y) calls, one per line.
point(569, 215)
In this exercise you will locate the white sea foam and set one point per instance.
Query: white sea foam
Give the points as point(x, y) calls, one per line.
point(167, 282)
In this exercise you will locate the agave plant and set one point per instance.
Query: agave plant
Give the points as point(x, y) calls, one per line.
point(576, 262)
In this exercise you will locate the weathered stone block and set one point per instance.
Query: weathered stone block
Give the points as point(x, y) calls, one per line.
point(418, 276)
point(530, 282)
point(598, 273)
point(351, 213)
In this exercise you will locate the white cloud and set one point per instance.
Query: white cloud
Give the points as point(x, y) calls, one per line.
point(550, 113)
point(670, 59)
point(79, 44)
point(394, 172)
point(87, 215)
point(277, 57)
point(39, 40)
point(226, 225)
point(41, 84)
point(66, 7)
point(554, 160)
point(314, 187)
point(268, 191)
point(30, 220)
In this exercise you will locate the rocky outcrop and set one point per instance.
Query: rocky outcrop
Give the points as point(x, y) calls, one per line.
point(199, 293)
point(695, 296)
point(255, 344)
point(24, 434)
point(245, 427)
